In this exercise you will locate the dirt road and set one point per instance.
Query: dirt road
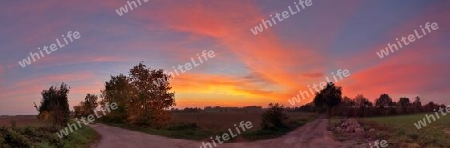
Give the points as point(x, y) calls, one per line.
point(311, 135)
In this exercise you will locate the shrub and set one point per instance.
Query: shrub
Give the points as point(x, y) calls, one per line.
point(16, 139)
point(274, 118)
point(2, 140)
point(183, 126)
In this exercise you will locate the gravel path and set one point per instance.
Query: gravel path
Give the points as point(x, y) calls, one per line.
point(311, 135)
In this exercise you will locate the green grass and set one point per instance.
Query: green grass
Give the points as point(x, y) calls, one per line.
point(81, 138)
point(40, 136)
point(401, 131)
point(174, 131)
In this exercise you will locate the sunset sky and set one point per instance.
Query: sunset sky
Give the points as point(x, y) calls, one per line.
point(247, 69)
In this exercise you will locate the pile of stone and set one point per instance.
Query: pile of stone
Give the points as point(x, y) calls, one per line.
point(349, 126)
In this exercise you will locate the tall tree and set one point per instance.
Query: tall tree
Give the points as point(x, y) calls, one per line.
point(118, 90)
point(150, 98)
point(384, 101)
point(55, 103)
point(383, 104)
point(90, 102)
point(403, 104)
point(328, 97)
point(362, 103)
point(417, 104)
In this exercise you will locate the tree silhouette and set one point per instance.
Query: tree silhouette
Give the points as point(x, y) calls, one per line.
point(328, 97)
point(404, 103)
point(384, 101)
point(362, 103)
point(91, 101)
point(55, 103)
point(274, 118)
point(417, 104)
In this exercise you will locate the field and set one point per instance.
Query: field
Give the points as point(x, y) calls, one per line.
point(200, 126)
point(401, 131)
point(27, 131)
point(20, 121)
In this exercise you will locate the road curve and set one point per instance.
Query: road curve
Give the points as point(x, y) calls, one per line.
point(311, 135)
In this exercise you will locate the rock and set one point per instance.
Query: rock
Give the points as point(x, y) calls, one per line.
point(359, 130)
point(349, 129)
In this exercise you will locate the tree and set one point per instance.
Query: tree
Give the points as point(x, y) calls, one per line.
point(91, 102)
point(117, 90)
point(328, 97)
point(383, 103)
point(417, 104)
point(346, 101)
point(55, 104)
point(403, 104)
point(362, 103)
point(274, 118)
point(150, 98)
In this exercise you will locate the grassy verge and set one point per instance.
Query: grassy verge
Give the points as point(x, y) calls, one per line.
point(400, 131)
point(295, 122)
point(45, 137)
point(203, 131)
point(180, 131)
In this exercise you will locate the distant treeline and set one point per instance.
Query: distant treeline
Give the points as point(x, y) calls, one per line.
point(383, 106)
point(246, 109)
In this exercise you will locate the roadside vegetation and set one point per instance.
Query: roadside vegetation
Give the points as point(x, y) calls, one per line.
point(40, 131)
point(28, 132)
point(383, 119)
point(401, 132)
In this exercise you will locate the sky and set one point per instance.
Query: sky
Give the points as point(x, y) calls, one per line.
point(247, 69)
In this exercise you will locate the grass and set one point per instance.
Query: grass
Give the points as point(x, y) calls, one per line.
point(401, 131)
point(27, 132)
point(201, 126)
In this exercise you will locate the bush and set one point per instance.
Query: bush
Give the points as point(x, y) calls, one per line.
point(183, 126)
point(2, 140)
point(15, 139)
point(274, 118)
